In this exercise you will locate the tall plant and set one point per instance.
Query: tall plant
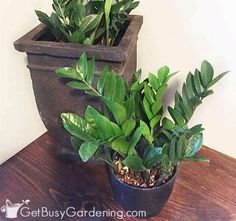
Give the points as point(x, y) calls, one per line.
point(131, 131)
point(87, 22)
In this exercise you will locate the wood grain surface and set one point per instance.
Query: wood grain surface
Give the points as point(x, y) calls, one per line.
point(203, 192)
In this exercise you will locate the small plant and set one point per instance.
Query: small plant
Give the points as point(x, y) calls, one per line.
point(130, 133)
point(87, 22)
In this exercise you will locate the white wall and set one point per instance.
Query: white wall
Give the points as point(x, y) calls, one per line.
point(177, 33)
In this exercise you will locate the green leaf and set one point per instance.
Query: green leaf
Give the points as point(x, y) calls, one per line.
point(168, 124)
point(194, 145)
point(181, 147)
point(207, 93)
point(82, 65)
point(88, 149)
point(154, 121)
point(87, 41)
point(91, 71)
point(207, 73)
point(156, 107)
point(195, 130)
point(185, 94)
point(77, 126)
point(129, 106)
point(117, 110)
point(120, 91)
point(153, 80)
point(89, 23)
point(104, 127)
point(146, 132)
point(161, 91)
point(135, 138)
point(147, 108)
point(148, 94)
point(78, 85)
point(77, 37)
point(189, 84)
point(186, 110)
point(197, 82)
point(68, 72)
point(216, 79)
point(110, 85)
point(172, 150)
point(92, 93)
point(152, 157)
point(120, 145)
point(128, 126)
point(163, 73)
point(134, 163)
point(176, 115)
point(102, 79)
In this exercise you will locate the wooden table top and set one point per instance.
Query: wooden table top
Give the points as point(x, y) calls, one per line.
point(203, 192)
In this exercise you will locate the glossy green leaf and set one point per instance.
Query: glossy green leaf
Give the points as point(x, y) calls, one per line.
point(168, 124)
point(148, 94)
point(68, 72)
point(172, 150)
point(117, 110)
point(177, 116)
point(91, 71)
point(155, 120)
point(135, 163)
point(154, 82)
point(163, 73)
point(78, 85)
point(82, 66)
point(181, 147)
point(194, 145)
point(135, 138)
point(156, 107)
point(128, 126)
point(104, 127)
point(88, 149)
point(120, 91)
point(129, 106)
point(152, 157)
point(120, 145)
point(102, 79)
point(197, 82)
point(110, 85)
point(89, 23)
point(207, 73)
point(186, 110)
point(146, 132)
point(147, 108)
point(77, 37)
point(78, 127)
point(189, 84)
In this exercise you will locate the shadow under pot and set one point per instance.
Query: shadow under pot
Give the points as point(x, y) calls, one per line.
point(149, 200)
point(52, 95)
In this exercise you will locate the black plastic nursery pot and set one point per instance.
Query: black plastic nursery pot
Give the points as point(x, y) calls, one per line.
point(52, 95)
point(150, 200)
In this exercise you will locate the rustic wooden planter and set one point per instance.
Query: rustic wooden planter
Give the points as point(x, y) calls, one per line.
point(51, 93)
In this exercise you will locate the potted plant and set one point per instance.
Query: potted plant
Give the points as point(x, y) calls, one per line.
point(104, 29)
point(141, 146)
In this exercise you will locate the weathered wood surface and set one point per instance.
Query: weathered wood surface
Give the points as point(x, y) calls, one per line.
point(203, 192)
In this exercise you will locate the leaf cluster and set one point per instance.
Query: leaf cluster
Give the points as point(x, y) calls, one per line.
point(87, 22)
point(131, 126)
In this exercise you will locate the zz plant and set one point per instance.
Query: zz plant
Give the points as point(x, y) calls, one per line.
point(87, 22)
point(131, 131)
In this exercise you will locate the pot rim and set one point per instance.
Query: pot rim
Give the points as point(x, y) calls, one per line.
point(145, 189)
point(28, 44)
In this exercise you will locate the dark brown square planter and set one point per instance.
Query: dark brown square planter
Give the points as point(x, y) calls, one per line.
point(52, 95)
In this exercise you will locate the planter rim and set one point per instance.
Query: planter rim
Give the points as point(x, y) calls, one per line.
point(119, 53)
point(145, 189)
